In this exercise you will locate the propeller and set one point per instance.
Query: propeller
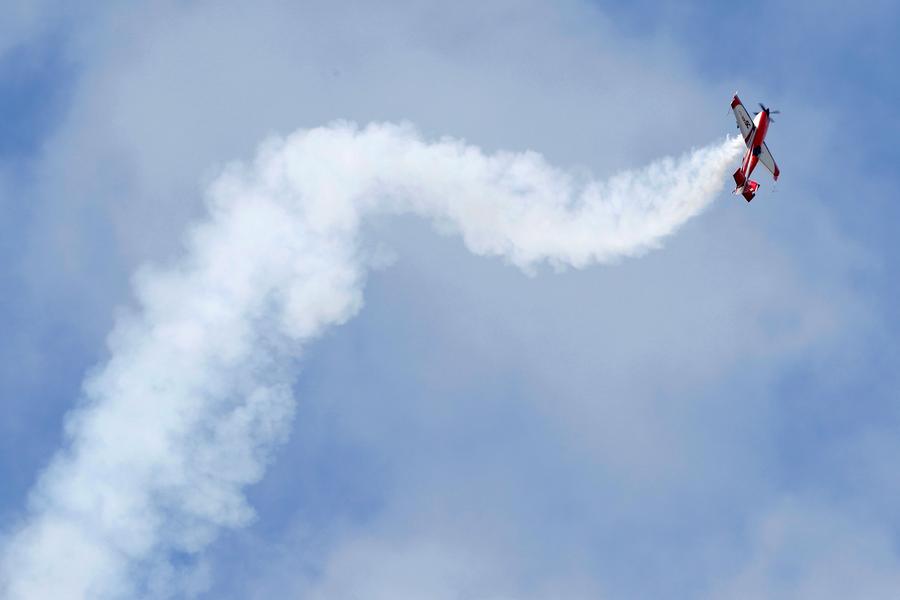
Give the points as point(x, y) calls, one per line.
point(769, 111)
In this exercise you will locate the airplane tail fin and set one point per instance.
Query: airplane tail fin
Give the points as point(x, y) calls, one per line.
point(749, 190)
point(745, 187)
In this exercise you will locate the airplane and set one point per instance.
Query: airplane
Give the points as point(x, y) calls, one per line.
point(754, 134)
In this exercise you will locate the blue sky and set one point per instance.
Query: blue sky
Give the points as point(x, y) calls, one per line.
point(716, 419)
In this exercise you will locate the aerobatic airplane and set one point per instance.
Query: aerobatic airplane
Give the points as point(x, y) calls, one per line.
point(754, 133)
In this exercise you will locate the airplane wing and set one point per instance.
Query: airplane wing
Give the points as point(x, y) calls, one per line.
point(744, 122)
point(765, 157)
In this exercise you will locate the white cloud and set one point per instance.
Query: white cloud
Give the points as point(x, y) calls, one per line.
point(803, 550)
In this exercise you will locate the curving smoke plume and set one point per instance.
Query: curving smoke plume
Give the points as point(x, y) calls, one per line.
point(197, 390)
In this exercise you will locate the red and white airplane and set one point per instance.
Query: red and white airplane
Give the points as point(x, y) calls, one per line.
point(754, 132)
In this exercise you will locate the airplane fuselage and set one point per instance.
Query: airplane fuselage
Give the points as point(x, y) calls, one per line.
point(753, 130)
point(751, 158)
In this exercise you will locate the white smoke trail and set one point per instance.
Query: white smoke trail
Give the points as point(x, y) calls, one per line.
point(198, 387)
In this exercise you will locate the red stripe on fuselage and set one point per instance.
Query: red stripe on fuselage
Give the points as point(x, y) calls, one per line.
point(749, 163)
